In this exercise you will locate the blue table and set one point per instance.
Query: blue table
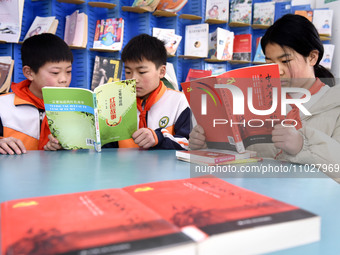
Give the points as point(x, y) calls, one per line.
point(40, 173)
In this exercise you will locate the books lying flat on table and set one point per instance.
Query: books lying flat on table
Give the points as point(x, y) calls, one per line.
point(83, 119)
point(42, 25)
point(106, 70)
point(6, 70)
point(213, 156)
point(203, 215)
point(230, 124)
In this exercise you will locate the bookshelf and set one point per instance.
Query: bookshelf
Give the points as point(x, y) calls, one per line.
point(137, 20)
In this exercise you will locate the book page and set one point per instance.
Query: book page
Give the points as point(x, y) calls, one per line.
point(10, 20)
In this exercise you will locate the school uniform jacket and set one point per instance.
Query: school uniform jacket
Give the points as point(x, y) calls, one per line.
point(168, 119)
point(20, 119)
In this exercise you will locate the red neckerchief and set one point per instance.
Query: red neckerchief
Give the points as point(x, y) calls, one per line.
point(22, 90)
point(152, 98)
point(294, 113)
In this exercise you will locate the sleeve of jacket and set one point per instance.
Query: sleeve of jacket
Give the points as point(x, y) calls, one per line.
point(178, 141)
point(319, 149)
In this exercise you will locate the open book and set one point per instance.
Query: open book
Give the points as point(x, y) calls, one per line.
point(42, 25)
point(203, 215)
point(84, 119)
point(225, 113)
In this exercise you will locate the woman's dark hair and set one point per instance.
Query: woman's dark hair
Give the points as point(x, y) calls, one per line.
point(299, 34)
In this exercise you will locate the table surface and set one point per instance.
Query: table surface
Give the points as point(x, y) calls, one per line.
point(42, 173)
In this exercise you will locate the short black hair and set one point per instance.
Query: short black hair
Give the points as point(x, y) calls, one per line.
point(37, 50)
point(147, 47)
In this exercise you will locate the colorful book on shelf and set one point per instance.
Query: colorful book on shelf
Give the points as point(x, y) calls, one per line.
point(197, 73)
point(322, 20)
point(305, 13)
point(196, 40)
point(214, 156)
point(221, 43)
point(171, 5)
point(327, 58)
point(6, 70)
point(203, 215)
point(240, 12)
point(111, 33)
point(259, 55)
point(106, 70)
point(149, 5)
point(170, 39)
point(76, 29)
point(11, 12)
point(84, 119)
point(42, 25)
point(230, 124)
point(264, 13)
point(217, 10)
point(242, 47)
point(215, 68)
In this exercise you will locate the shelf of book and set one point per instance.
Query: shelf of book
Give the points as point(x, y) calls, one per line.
point(136, 20)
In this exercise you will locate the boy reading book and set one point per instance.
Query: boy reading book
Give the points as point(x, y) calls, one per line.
point(47, 62)
point(164, 114)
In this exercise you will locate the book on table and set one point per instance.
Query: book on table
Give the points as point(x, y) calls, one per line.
point(231, 124)
point(84, 119)
point(6, 70)
point(214, 156)
point(203, 215)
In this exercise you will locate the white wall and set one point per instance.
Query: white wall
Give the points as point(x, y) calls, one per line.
point(335, 32)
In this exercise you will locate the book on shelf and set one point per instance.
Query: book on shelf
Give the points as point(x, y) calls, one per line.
point(215, 68)
point(282, 8)
point(217, 10)
point(76, 29)
point(202, 215)
point(42, 25)
point(220, 44)
point(327, 58)
point(157, 30)
point(259, 55)
point(6, 70)
point(197, 73)
point(264, 13)
point(213, 156)
point(322, 20)
point(242, 47)
point(305, 13)
point(170, 39)
point(11, 12)
point(171, 5)
point(196, 40)
point(170, 78)
point(109, 35)
point(231, 124)
point(84, 119)
point(106, 70)
point(149, 5)
point(240, 11)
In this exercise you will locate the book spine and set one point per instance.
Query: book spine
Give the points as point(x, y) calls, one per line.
point(97, 145)
point(236, 132)
point(96, 35)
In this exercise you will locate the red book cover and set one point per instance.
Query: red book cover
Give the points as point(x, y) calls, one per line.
point(242, 47)
point(214, 109)
point(82, 222)
point(196, 73)
point(97, 31)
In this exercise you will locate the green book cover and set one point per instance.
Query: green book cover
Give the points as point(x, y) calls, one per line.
point(84, 119)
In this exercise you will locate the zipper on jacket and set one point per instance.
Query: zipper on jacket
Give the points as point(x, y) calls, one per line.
point(41, 117)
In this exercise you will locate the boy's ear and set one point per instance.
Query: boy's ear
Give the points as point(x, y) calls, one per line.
point(162, 71)
point(313, 57)
point(27, 71)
